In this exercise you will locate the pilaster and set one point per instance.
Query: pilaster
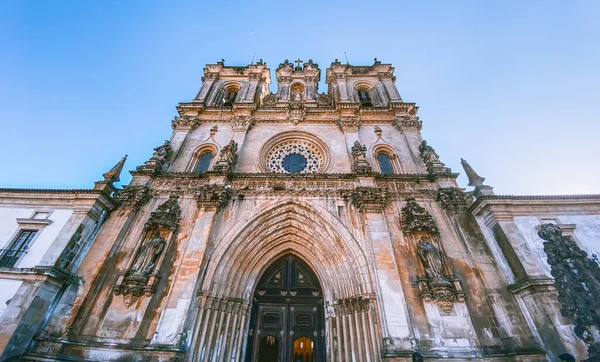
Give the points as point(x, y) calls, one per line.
point(371, 202)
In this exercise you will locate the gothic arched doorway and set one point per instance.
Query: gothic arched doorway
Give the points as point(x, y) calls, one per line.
point(287, 323)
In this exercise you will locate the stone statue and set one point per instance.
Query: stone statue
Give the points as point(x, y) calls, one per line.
point(159, 157)
point(161, 152)
point(148, 253)
point(227, 157)
point(228, 153)
point(359, 155)
point(431, 258)
point(428, 153)
point(296, 96)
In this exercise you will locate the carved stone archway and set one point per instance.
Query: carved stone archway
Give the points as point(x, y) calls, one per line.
point(243, 254)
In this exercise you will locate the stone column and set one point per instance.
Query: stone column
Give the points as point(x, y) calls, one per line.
point(410, 129)
point(392, 302)
point(253, 80)
point(392, 90)
point(241, 125)
point(181, 294)
point(349, 125)
point(207, 82)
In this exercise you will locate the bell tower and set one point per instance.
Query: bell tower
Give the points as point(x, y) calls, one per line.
point(299, 83)
point(367, 86)
point(226, 86)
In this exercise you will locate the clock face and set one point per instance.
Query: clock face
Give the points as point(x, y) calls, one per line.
point(294, 162)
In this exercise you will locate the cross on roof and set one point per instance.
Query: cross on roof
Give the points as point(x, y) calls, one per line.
point(299, 61)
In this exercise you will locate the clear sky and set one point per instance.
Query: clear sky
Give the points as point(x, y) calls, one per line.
point(512, 86)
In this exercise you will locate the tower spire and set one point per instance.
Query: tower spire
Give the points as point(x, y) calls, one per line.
point(114, 174)
point(474, 178)
point(476, 181)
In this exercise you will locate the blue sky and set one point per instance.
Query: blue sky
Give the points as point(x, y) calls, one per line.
point(512, 86)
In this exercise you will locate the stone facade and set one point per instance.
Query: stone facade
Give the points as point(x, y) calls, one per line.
point(399, 258)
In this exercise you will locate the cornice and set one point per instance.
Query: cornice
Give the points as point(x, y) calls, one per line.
point(51, 191)
point(500, 203)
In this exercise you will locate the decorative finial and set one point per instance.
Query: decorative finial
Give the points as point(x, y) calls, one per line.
point(114, 173)
point(474, 178)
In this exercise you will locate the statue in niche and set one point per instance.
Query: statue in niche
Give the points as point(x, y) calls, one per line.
point(431, 258)
point(428, 154)
point(296, 96)
point(149, 252)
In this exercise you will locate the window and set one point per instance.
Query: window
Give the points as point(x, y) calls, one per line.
point(385, 164)
point(229, 95)
point(16, 249)
point(204, 162)
point(364, 98)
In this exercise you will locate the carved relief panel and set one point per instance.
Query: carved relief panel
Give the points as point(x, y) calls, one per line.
point(436, 282)
point(142, 272)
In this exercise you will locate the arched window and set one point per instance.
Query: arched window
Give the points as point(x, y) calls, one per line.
point(364, 97)
point(385, 164)
point(229, 95)
point(204, 161)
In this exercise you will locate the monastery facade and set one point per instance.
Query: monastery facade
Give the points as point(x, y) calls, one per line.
point(287, 226)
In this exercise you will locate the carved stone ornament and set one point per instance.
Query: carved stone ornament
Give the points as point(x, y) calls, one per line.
point(452, 199)
point(435, 167)
point(242, 123)
point(373, 198)
point(135, 283)
point(444, 297)
point(295, 112)
point(346, 124)
point(270, 100)
point(227, 158)
point(359, 157)
point(166, 215)
point(155, 163)
point(136, 196)
point(403, 123)
point(437, 287)
point(428, 154)
point(213, 196)
point(415, 219)
point(323, 100)
point(577, 281)
point(185, 122)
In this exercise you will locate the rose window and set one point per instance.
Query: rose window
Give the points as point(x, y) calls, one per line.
point(294, 157)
